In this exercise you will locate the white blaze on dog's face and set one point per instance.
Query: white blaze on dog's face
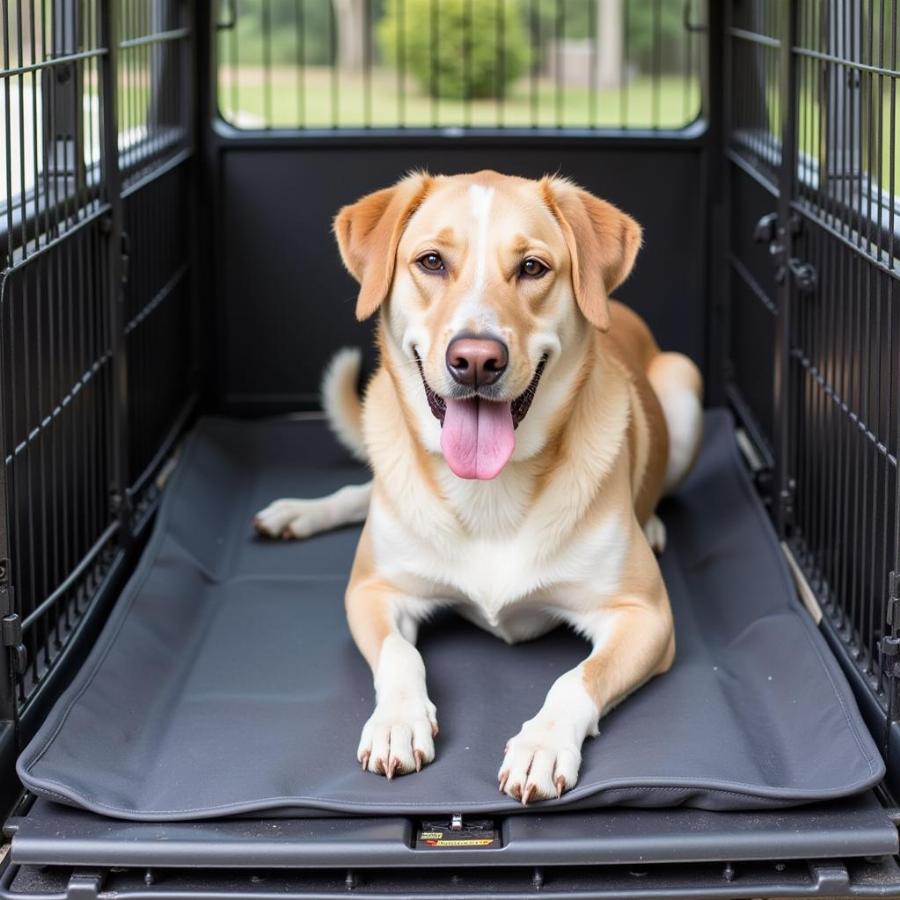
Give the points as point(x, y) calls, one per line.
point(490, 286)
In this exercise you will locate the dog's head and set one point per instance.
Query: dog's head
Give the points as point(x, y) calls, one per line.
point(488, 286)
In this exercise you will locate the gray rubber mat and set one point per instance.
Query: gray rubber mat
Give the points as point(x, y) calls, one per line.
point(226, 680)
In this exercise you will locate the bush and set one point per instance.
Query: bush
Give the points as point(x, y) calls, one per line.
point(460, 54)
point(646, 23)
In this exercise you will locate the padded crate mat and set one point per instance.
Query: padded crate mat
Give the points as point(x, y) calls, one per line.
point(226, 681)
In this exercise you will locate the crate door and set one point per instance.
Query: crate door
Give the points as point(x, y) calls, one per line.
point(825, 263)
point(96, 346)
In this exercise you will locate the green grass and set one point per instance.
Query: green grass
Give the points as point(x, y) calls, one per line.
point(317, 98)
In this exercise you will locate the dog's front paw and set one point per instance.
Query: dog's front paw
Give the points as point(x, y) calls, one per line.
point(542, 760)
point(289, 519)
point(399, 737)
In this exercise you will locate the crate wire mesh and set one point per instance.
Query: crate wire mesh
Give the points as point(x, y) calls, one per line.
point(81, 119)
point(155, 157)
point(55, 349)
point(831, 418)
point(755, 127)
point(845, 347)
point(159, 327)
point(390, 64)
point(153, 66)
point(50, 150)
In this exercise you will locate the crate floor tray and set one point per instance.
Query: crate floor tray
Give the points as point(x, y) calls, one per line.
point(54, 835)
point(226, 681)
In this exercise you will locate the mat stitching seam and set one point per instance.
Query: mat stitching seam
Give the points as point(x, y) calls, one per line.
point(571, 796)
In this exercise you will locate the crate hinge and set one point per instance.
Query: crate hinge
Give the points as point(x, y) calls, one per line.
point(125, 249)
point(786, 504)
point(893, 604)
point(11, 630)
point(11, 622)
point(106, 226)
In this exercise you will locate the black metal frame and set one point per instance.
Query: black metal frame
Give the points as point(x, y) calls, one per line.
point(179, 169)
point(856, 878)
point(832, 850)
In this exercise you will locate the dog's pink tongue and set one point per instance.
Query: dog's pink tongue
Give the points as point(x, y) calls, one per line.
point(477, 437)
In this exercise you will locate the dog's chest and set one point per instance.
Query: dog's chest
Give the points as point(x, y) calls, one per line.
point(503, 578)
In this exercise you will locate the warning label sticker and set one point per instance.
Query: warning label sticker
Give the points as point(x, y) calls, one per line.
point(477, 834)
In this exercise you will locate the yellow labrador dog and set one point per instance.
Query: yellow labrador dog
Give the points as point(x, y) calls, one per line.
point(521, 428)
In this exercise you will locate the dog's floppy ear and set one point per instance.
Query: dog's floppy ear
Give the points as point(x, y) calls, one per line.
point(368, 233)
point(603, 243)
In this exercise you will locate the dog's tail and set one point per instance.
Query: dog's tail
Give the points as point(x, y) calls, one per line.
point(341, 400)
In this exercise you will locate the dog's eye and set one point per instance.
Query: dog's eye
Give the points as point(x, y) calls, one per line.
point(431, 262)
point(532, 268)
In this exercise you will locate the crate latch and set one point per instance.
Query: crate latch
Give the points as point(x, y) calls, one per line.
point(803, 274)
point(893, 604)
point(769, 231)
point(889, 652)
point(10, 622)
point(11, 632)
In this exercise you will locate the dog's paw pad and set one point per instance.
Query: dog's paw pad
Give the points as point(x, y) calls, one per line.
point(398, 738)
point(541, 763)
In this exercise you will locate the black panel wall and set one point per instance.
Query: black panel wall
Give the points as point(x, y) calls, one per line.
point(284, 303)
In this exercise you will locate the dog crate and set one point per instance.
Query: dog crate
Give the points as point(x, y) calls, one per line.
point(169, 173)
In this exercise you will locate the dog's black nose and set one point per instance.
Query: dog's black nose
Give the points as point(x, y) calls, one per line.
point(475, 361)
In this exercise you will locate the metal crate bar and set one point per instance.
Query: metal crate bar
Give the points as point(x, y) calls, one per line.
point(755, 85)
point(159, 329)
point(154, 57)
point(845, 340)
point(176, 34)
point(847, 59)
point(48, 64)
point(36, 432)
point(50, 60)
point(56, 373)
point(879, 259)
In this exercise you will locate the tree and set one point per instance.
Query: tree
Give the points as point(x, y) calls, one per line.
point(350, 18)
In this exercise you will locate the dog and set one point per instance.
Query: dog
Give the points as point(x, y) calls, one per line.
point(521, 428)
